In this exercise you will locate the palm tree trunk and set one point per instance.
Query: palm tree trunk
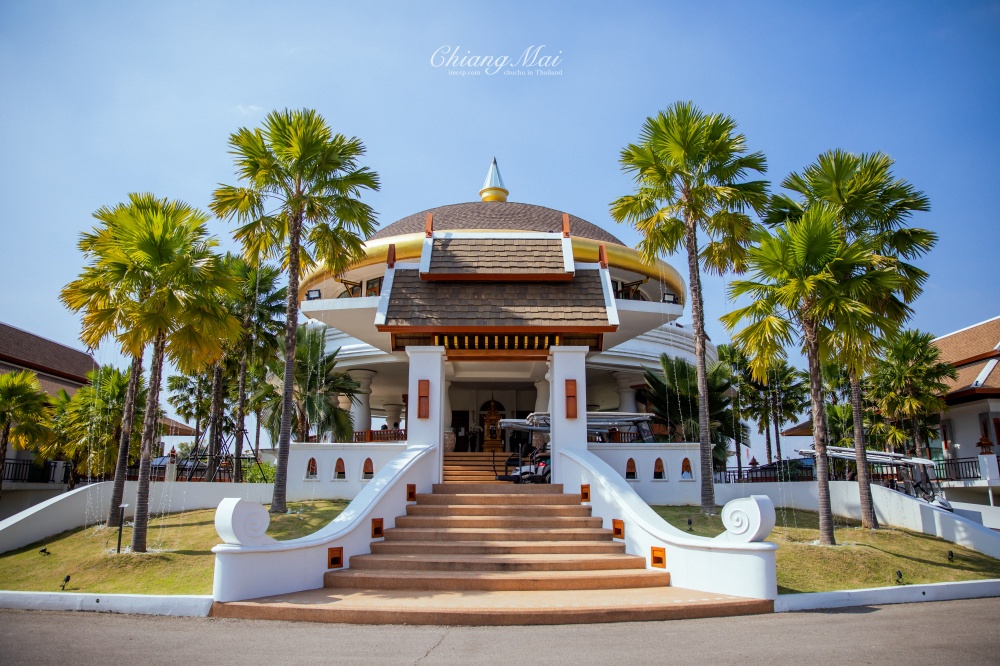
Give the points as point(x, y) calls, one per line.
point(141, 520)
point(241, 400)
point(121, 467)
point(819, 433)
point(767, 431)
point(698, 324)
point(288, 385)
point(868, 518)
point(215, 423)
point(776, 421)
point(918, 439)
point(3, 452)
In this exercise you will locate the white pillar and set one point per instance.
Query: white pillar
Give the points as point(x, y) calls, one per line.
point(542, 393)
point(626, 394)
point(393, 413)
point(427, 363)
point(361, 409)
point(446, 417)
point(567, 364)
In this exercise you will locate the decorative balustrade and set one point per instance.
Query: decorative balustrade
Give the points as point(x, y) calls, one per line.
point(387, 435)
point(958, 469)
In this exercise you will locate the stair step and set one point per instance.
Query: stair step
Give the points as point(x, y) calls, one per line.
point(514, 522)
point(498, 563)
point(505, 488)
point(496, 534)
point(399, 547)
point(512, 580)
point(480, 498)
point(573, 510)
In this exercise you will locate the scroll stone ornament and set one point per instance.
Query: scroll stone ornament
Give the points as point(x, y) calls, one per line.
point(748, 519)
point(242, 523)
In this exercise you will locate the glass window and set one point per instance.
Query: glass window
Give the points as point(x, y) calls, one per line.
point(373, 287)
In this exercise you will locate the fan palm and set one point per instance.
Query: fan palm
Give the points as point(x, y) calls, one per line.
point(676, 385)
point(190, 396)
point(300, 204)
point(260, 307)
point(166, 284)
point(23, 408)
point(909, 383)
point(874, 205)
point(804, 276)
point(317, 386)
point(690, 169)
point(788, 395)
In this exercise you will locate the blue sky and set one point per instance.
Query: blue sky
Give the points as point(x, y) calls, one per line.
point(100, 99)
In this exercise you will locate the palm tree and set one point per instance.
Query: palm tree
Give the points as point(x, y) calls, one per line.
point(747, 400)
point(690, 169)
point(260, 306)
point(805, 276)
point(190, 396)
point(909, 383)
point(315, 391)
point(676, 385)
point(872, 204)
point(788, 397)
point(167, 285)
point(300, 203)
point(23, 407)
point(87, 427)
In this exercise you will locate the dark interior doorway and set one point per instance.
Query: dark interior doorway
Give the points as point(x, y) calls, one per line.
point(460, 424)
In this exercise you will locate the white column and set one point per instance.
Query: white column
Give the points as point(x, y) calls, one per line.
point(427, 363)
point(361, 409)
point(626, 394)
point(393, 413)
point(542, 393)
point(567, 363)
point(446, 417)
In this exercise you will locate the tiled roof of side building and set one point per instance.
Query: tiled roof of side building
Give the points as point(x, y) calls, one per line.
point(495, 215)
point(417, 303)
point(496, 256)
point(37, 353)
point(979, 339)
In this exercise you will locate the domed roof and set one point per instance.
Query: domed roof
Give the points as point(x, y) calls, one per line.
point(495, 215)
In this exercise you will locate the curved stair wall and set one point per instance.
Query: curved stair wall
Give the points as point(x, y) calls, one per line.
point(251, 565)
point(737, 562)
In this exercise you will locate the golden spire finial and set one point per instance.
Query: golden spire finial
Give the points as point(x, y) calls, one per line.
point(493, 188)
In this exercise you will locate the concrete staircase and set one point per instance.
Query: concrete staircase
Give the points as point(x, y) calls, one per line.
point(471, 467)
point(494, 554)
point(467, 536)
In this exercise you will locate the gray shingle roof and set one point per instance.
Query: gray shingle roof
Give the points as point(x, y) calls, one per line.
point(496, 256)
point(496, 215)
point(418, 303)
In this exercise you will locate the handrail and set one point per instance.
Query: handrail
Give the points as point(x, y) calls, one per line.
point(350, 518)
point(644, 516)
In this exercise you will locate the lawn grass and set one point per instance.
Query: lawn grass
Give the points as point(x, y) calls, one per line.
point(862, 558)
point(179, 560)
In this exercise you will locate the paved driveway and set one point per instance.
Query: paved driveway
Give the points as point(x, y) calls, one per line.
point(950, 632)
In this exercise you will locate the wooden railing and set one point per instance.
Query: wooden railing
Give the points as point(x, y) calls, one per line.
point(387, 435)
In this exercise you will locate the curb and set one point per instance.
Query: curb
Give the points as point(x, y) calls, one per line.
point(178, 605)
point(902, 594)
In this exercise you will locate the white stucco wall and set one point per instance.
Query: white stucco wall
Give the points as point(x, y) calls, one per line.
point(89, 505)
point(674, 490)
point(325, 486)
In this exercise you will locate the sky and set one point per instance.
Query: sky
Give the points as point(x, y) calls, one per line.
point(100, 99)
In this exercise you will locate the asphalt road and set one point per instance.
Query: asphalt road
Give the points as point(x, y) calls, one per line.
point(950, 632)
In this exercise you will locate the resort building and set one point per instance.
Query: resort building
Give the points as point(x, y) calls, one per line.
point(497, 285)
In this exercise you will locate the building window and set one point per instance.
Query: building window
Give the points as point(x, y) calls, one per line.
point(686, 473)
point(311, 472)
point(658, 472)
point(339, 473)
point(630, 473)
point(351, 289)
point(373, 287)
point(368, 470)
